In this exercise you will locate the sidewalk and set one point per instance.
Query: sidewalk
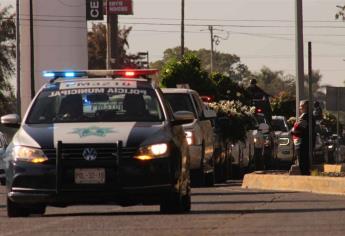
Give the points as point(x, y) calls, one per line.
point(285, 182)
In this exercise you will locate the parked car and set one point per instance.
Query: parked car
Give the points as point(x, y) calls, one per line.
point(3, 146)
point(199, 133)
point(270, 142)
point(324, 148)
point(249, 154)
point(285, 143)
point(222, 147)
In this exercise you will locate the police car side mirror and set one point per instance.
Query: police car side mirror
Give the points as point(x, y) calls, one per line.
point(11, 120)
point(183, 117)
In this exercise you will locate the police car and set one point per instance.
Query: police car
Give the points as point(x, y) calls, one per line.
point(94, 137)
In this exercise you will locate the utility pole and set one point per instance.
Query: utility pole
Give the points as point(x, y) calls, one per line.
point(18, 59)
point(182, 28)
point(114, 34)
point(299, 54)
point(310, 105)
point(210, 27)
point(112, 40)
point(32, 52)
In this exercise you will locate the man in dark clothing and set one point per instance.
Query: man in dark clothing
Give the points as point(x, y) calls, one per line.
point(260, 99)
point(255, 92)
point(300, 131)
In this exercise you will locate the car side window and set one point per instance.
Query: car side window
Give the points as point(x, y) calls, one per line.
point(166, 105)
point(197, 104)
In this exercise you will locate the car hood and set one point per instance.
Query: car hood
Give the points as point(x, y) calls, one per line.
point(130, 133)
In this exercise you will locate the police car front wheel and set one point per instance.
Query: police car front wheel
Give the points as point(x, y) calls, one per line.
point(17, 210)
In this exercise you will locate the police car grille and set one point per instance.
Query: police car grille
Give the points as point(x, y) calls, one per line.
point(75, 151)
point(103, 152)
point(128, 152)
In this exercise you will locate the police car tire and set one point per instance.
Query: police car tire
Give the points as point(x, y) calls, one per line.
point(15, 210)
point(175, 202)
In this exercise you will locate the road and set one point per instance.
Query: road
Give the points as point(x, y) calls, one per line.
point(222, 210)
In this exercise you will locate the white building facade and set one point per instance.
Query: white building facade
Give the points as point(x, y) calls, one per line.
point(59, 41)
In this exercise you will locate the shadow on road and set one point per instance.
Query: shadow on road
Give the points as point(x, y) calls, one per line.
point(199, 212)
point(253, 202)
point(266, 211)
point(132, 213)
point(237, 193)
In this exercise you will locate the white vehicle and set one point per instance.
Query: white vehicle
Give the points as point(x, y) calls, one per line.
point(285, 143)
point(199, 133)
point(249, 154)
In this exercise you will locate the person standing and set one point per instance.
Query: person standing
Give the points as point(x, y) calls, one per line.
point(300, 132)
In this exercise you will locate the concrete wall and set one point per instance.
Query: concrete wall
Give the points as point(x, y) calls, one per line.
point(60, 40)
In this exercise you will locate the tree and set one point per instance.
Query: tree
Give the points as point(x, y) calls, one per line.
point(97, 48)
point(284, 104)
point(224, 63)
point(7, 54)
point(228, 89)
point(187, 71)
point(274, 82)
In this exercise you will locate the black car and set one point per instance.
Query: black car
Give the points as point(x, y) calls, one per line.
point(107, 137)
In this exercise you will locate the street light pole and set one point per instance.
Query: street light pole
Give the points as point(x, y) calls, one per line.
point(182, 28)
point(32, 51)
point(18, 59)
point(299, 54)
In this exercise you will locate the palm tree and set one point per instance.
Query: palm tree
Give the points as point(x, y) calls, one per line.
point(97, 48)
point(7, 55)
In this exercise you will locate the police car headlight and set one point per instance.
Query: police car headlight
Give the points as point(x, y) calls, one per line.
point(152, 151)
point(284, 141)
point(28, 154)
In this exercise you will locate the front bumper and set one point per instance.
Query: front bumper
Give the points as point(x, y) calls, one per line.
point(132, 182)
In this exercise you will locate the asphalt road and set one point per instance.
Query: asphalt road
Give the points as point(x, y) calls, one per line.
point(222, 210)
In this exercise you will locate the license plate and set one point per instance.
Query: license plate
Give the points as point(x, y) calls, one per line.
point(89, 176)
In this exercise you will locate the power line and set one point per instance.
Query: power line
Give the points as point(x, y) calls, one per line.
point(196, 19)
point(189, 25)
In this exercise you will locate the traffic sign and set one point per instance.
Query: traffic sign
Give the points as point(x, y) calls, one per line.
point(94, 9)
point(335, 98)
point(119, 7)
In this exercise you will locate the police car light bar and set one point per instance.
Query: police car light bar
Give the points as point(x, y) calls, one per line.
point(129, 73)
point(125, 72)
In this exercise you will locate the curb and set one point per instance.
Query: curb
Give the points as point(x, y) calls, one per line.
point(285, 182)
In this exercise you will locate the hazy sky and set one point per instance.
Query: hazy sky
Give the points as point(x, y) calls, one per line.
point(261, 32)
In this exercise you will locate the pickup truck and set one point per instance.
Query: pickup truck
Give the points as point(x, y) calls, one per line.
point(199, 133)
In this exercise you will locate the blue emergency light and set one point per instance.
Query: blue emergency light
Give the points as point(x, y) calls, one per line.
point(64, 74)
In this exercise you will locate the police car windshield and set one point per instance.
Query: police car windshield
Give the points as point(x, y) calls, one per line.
point(96, 105)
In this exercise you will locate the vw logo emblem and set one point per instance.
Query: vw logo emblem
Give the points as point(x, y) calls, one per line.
point(90, 154)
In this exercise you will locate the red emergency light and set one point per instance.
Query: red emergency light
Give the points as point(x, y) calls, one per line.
point(259, 110)
point(207, 99)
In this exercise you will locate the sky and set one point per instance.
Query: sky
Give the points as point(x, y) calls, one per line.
point(260, 32)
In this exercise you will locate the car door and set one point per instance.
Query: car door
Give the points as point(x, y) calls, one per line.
point(205, 126)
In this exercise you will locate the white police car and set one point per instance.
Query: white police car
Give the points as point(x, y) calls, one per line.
point(89, 139)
